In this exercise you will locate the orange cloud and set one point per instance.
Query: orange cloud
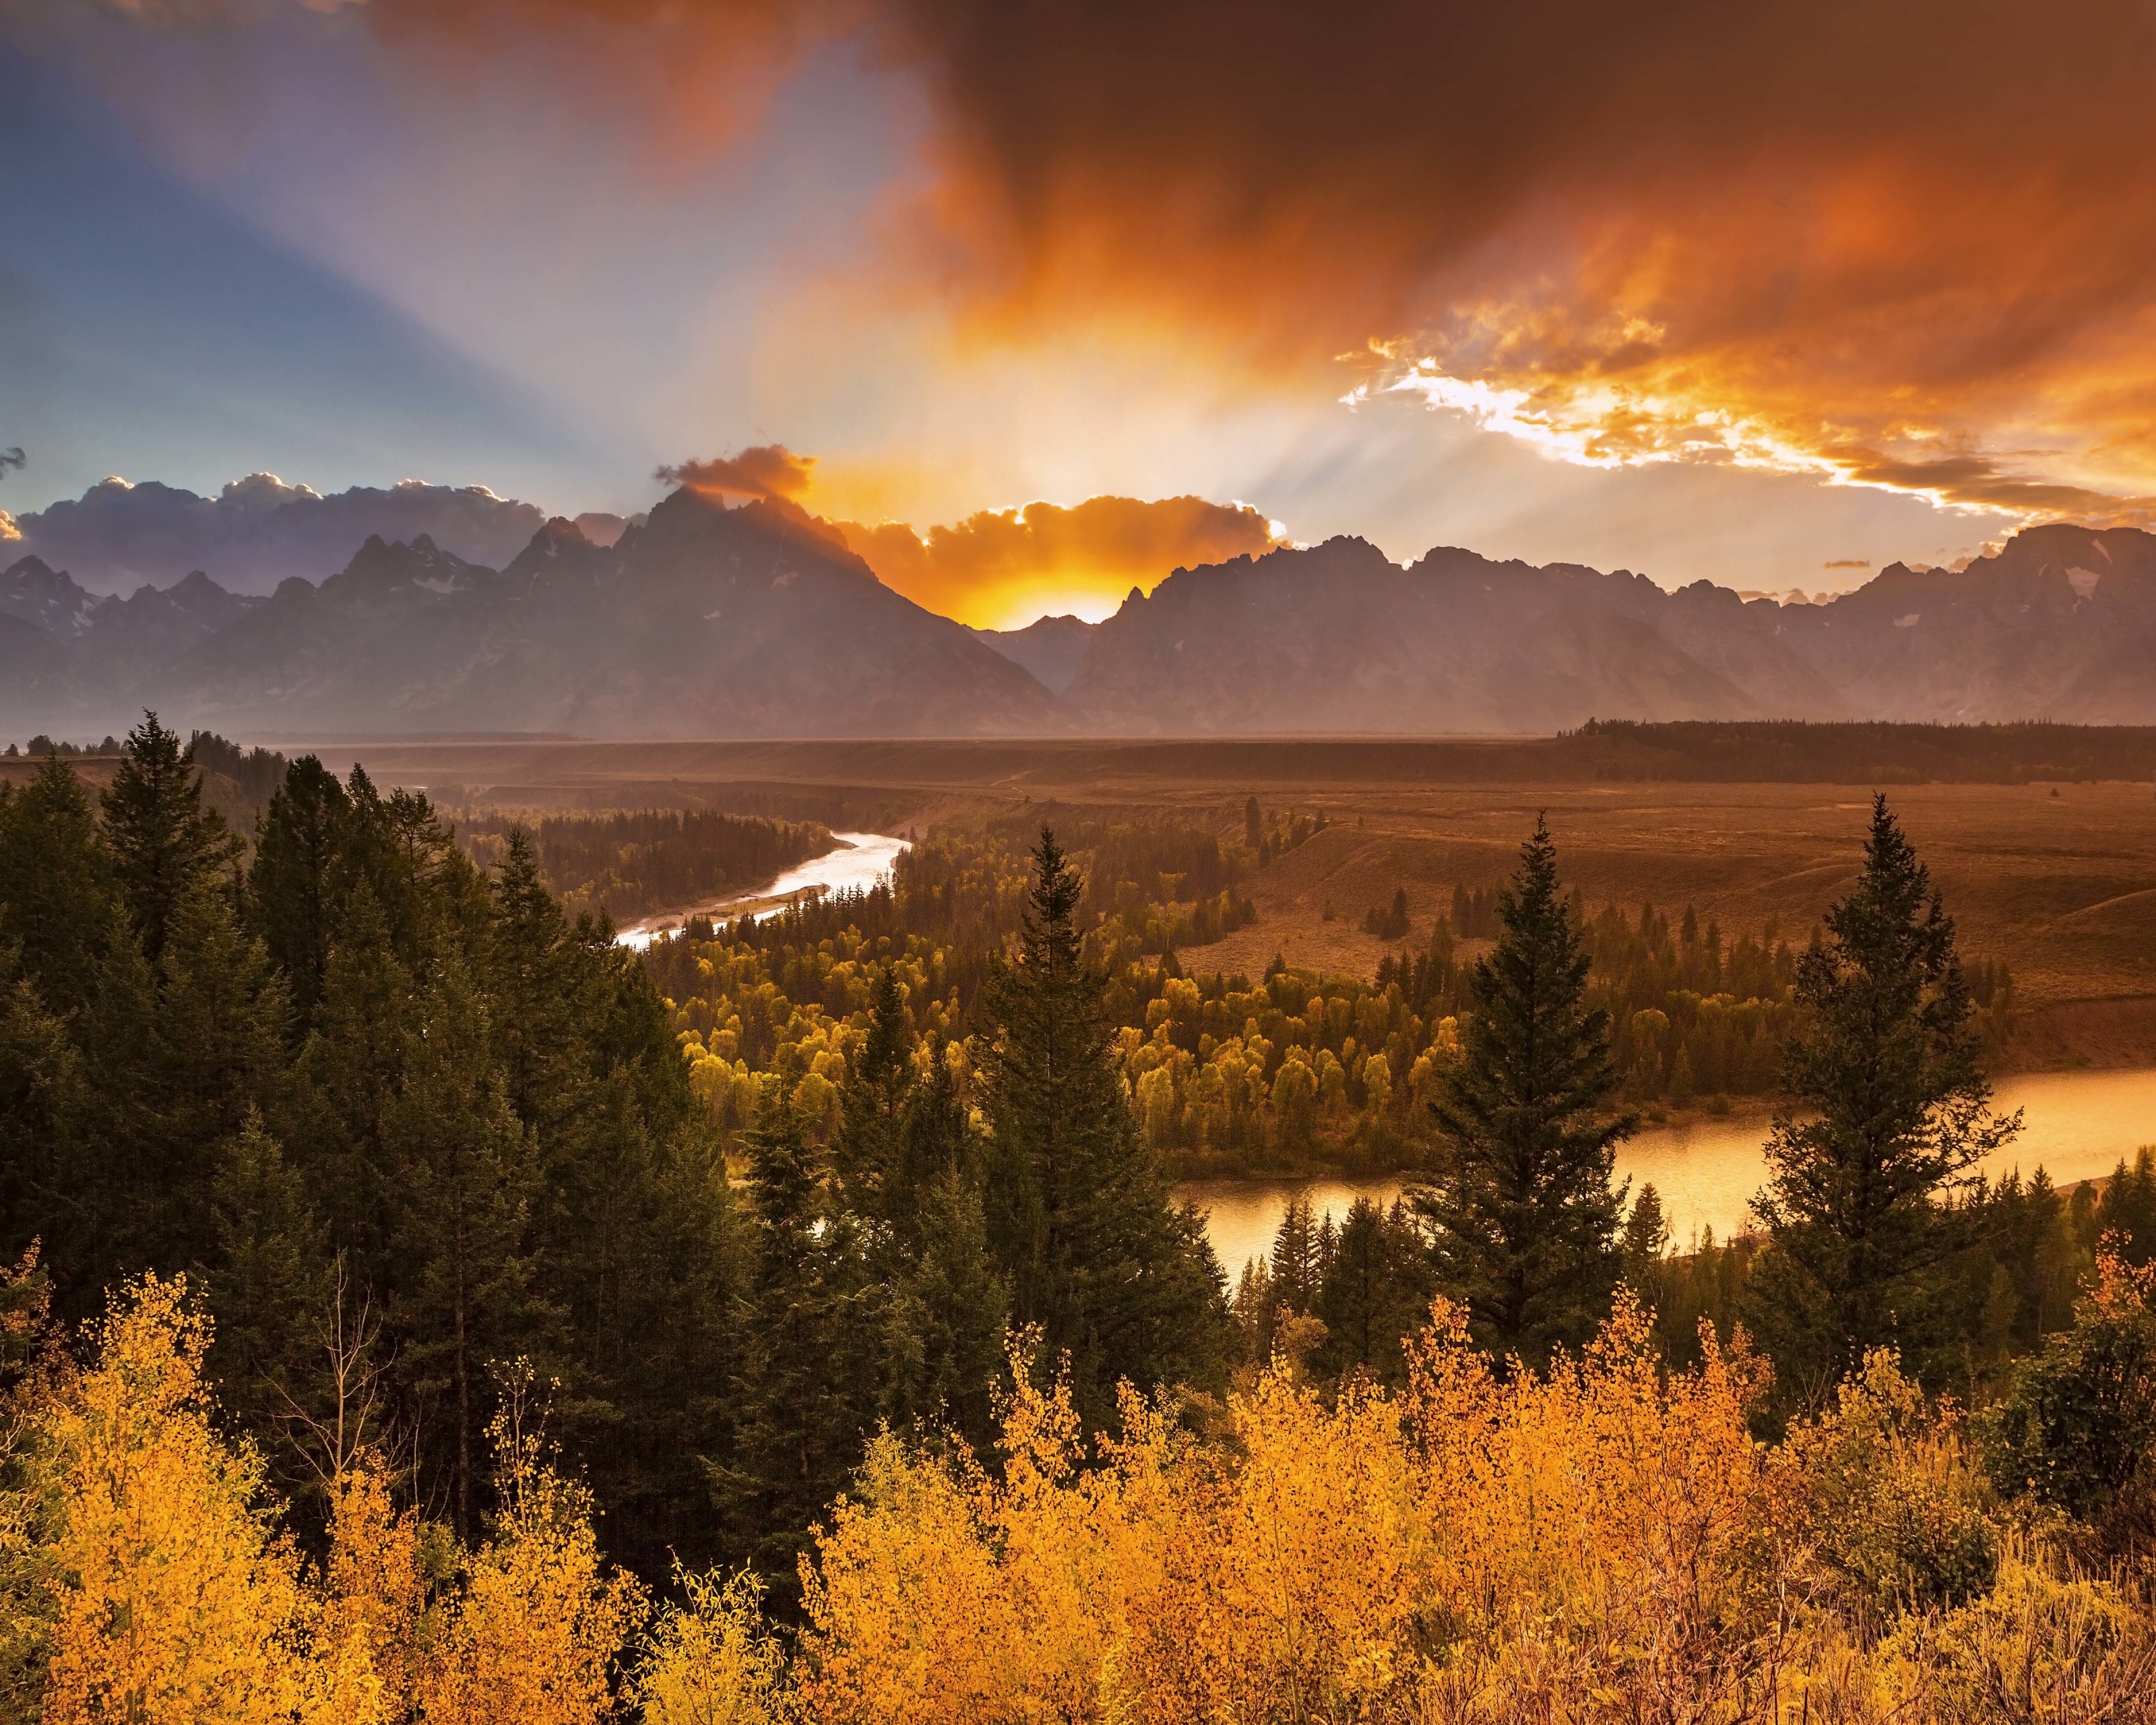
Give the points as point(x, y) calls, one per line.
point(1910, 247)
point(1002, 568)
point(761, 470)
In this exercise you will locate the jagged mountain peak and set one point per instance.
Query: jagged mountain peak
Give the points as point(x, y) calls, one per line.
point(705, 619)
point(34, 592)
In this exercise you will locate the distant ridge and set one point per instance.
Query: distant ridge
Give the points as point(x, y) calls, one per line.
point(1051, 648)
point(703, 621)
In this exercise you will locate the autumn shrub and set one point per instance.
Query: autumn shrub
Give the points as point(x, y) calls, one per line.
point(1601, 1530)
point(1602, 1541)
point(145, 1578)
point(711, 1659)
point(533, 1633)
point(2075, 1431)
point(2043, 1644)
point(1894, 1512)
point(177, 1599)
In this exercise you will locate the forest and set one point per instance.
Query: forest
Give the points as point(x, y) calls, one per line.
point(424, 1308)
point(627, 864)
point(1790, 749)
point(1293, 1072)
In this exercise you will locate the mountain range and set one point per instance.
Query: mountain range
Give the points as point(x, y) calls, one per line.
point(756, 621)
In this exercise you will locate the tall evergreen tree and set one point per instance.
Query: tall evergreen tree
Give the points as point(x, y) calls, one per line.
point(297, 883)
point(166, 845)
point(806, 1397)
point(868, 1152)
point(42, 1094)
point(1889, 1110)
point(59, 906)
point(464, 1289)
point(534, 974)
point(1080, 1217)
point(950, 1317)
point(1523, 1217)
point(272, 1274)
point(1375, 1293)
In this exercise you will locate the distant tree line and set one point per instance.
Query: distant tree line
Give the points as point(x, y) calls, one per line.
point(1793, 752)
point(629, 864)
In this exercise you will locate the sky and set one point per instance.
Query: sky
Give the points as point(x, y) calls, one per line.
point(1041, 301)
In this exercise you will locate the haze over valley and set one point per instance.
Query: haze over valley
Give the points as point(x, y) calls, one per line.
point(698, 618)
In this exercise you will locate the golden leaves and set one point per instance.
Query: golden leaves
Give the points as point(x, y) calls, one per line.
point(176, 1601)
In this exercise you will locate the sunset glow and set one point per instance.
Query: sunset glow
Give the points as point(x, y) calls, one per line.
point(1695, 301)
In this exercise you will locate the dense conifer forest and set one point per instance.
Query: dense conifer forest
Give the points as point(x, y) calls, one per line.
point(424, 1308)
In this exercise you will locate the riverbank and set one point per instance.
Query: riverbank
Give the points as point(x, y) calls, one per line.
point(856, 862)
point(2077, 1126)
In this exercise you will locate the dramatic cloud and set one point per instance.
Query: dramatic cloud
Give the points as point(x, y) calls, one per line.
point(1002, 568)
point(1910, 247)
point(12, 457)
point(1846, 564)
point(258, 530)
point(998, 568)
point(767, 470)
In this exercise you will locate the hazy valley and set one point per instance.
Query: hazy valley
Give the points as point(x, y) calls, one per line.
point(756, 621)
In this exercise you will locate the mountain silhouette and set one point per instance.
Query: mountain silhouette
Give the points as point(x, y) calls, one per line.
point(757, 621)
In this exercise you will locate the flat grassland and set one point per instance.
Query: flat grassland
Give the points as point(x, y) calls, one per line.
point(2058, 878)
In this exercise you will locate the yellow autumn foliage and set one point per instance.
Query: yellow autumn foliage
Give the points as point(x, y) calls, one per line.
point(714, 1660)
point(166, 1595)
point(1605, 1541)
point(533, 1634)
point(180, 1604)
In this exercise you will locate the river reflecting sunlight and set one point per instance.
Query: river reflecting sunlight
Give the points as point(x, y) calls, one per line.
point(2076, 1125)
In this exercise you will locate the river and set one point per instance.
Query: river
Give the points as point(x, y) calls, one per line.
point(2076, 1125)
point(855, 864)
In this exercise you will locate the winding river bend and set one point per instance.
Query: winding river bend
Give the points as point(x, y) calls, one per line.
point(854, 864)
point(2075, 1126)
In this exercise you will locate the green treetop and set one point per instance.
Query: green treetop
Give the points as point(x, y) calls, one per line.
point(1524, 1221)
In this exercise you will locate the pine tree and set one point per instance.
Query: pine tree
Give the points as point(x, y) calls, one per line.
point(464, 1293)
point(1889, 1110)
point(166, 846)
point(805, 1398)
point(1079, 1217)
point(59, 906)
point(868, 1151)
point(351, 1071)
point(298, 882)
point(1296, 1269)
point(950, 1322)
point(1646, 1238)
point(1520, 1203)
point(537, 984)
point(1374, 1293)
point(273, 1272)
point(42, 1091)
